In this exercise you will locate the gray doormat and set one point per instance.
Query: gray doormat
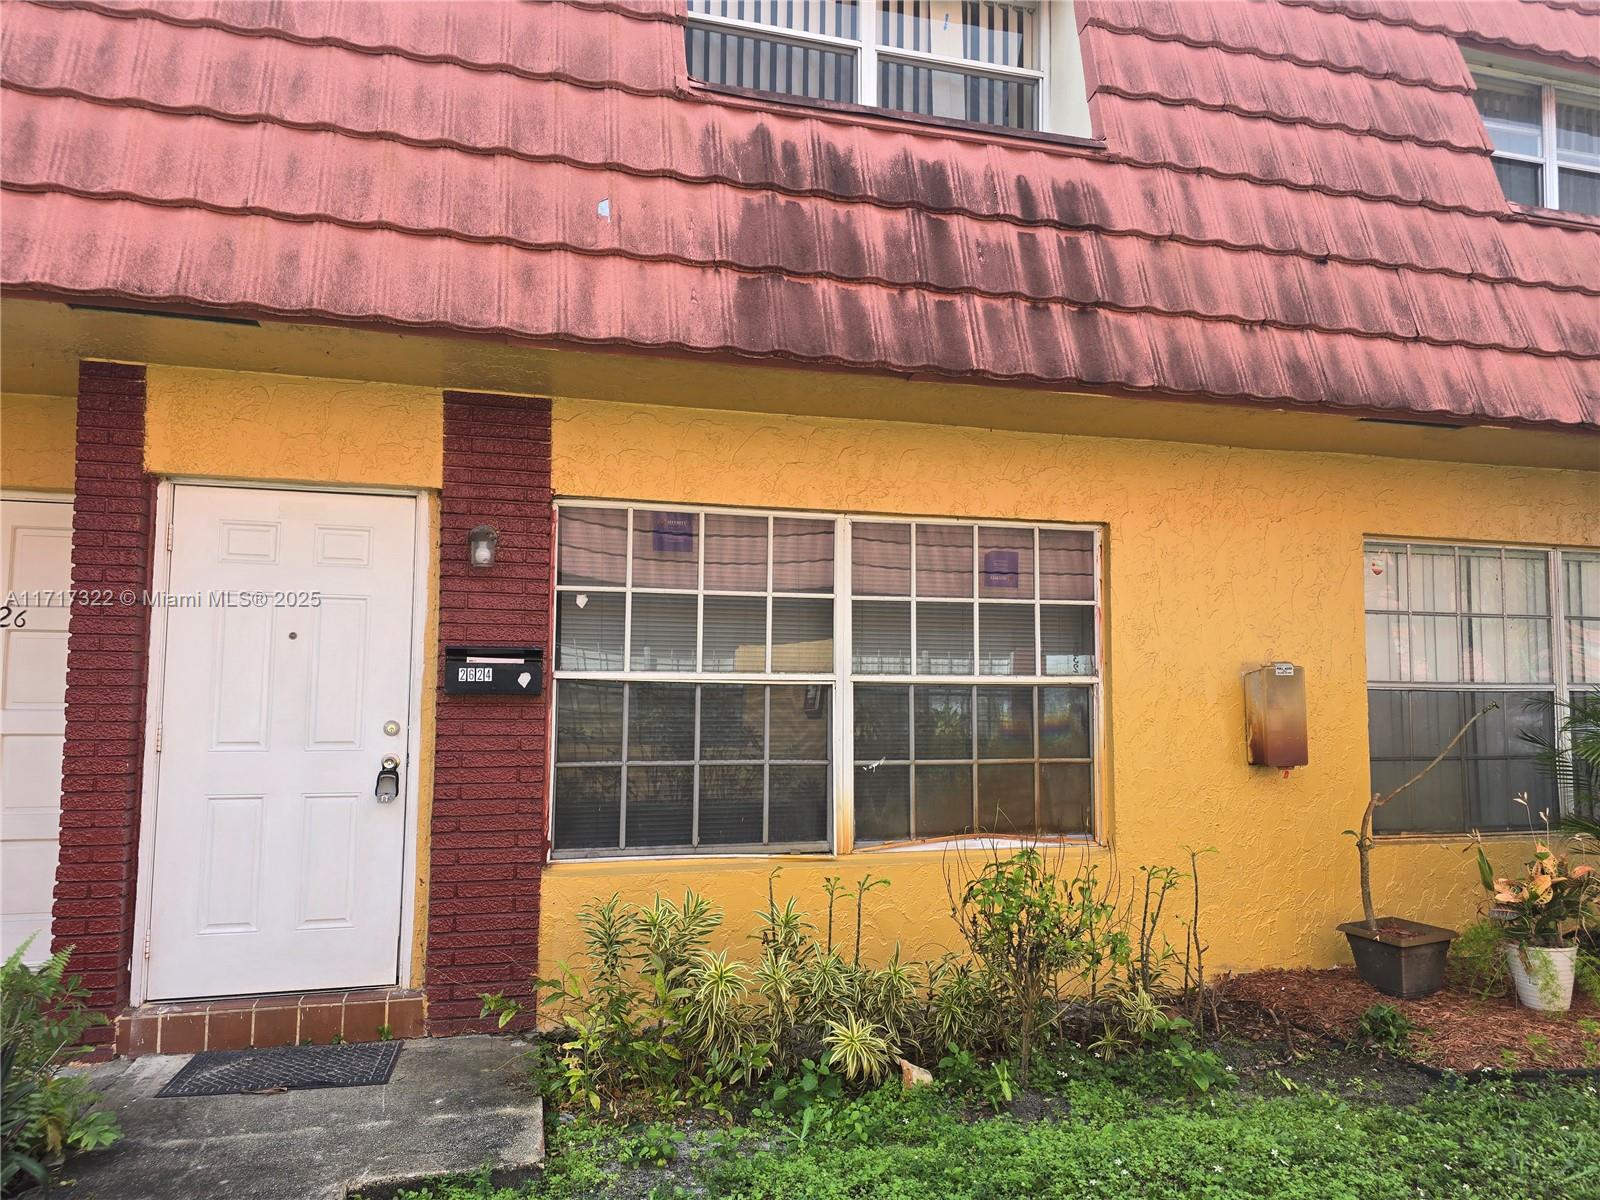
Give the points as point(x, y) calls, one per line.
point(286, 1068)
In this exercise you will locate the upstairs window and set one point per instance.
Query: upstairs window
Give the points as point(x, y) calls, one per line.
point(1546, 140)
point(1013, 65)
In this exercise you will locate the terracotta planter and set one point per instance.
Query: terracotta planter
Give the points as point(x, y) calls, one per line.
point(1401, 958)
point(1543, 975)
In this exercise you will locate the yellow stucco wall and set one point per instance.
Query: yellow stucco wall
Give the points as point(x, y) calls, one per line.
point(251, 425)
point(1217, 560)
point(37, 434)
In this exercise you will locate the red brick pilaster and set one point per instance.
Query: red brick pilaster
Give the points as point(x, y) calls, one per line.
point(488, 825)
point(113, 521)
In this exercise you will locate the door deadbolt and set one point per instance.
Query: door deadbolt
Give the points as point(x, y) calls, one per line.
point(387, 786)
point(392, 728)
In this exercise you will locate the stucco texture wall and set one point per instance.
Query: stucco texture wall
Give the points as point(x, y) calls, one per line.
point(252, 425)
point(37, 436)
point(1218, 560)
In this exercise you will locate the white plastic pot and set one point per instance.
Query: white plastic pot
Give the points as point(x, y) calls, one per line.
point(1543, 975)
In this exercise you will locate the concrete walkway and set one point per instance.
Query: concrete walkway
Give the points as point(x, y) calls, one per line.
point(452, 1105)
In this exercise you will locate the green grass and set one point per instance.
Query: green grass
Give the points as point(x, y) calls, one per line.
point(1494, 1140)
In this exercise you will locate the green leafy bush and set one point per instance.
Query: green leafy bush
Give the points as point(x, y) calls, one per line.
point(1386, 1028)
point(47, 1116)
point(1477, 961)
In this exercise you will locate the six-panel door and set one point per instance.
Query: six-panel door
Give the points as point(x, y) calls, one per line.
point(286, 683)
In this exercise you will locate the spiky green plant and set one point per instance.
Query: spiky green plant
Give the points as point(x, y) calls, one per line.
point(857, 1047)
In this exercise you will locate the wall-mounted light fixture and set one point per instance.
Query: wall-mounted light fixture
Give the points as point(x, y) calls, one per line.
point(481, 541)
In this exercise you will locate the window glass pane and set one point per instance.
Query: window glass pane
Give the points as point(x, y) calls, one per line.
point(665, 549)
point(736, 634)
point(881, 638)
point(589, 631)
point(1005, 722)
point(800, 718)
point(802, 636)
point(882, 803)
point(944, 560)
point(1431, 578)
point(1005, 640)
point(799, 803)
point(1485, 649)
point(730, 804)
point(1523, 183)
point(943, 800)
point(1066, 631)
point(1384, 577)
point(1580, 192)
point(588, 808)
point(588, 722)
point(958, 95)
point(1581, 584)
point(1066, 564)
point(802, 555)
point(1435, 650)
point(1527, 582)
point(943, 722)
point(736, 553)
point(1066, 801)
point(1583, 650)
point(1510, 113)
point(1577, 129)
point(660, 806)
point(733, 720)
point(1005, 798)
point(883, 723)
point(594, 546)
point(1388, 648)
point(880, 554)
point(1527, 651)
point(1005, 563)
point(770, 64)
point(1064, 722)
point(1480, 581)
point(944, 638)
point(1004, 34)
point(833, 18)
point(660, 722)
point(663, 632)
point(1477, 784)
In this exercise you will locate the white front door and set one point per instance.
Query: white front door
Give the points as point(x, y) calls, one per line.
point(36, 557)
point(287, 681)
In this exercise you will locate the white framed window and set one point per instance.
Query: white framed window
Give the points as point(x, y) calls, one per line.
point(1007, 63)
point(726, 681)
point(1449, 629)
point(1546, 138)
point(975, 677)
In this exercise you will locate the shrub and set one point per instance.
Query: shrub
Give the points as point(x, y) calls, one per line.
point(1386, 1028)
point(47, 1117)
point(1477, 961)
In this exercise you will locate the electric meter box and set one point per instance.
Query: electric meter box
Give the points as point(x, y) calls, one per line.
point(1275, 715)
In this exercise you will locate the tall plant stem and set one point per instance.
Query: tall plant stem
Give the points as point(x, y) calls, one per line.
point(1364, 838)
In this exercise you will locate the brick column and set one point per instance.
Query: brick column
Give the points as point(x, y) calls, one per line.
point(488, 830)
point(113, 522)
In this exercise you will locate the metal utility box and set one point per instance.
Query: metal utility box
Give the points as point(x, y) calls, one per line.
point(1275, 715)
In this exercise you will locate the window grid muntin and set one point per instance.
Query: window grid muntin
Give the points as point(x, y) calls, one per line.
point(1093, 683)
point(1550, 161)
point(868, 47)
point(1462, 615)
point(1559, 686)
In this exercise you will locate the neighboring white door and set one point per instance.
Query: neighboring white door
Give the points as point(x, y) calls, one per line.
point(36, 556)
point(275, 867)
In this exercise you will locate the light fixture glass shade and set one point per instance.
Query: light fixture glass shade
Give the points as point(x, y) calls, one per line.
point(481, 541)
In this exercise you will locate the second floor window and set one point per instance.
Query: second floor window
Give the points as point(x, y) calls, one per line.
point(1546, 141)
point(983, 62)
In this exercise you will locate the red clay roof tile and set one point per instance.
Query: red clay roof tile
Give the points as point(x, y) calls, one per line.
point(1294, 204)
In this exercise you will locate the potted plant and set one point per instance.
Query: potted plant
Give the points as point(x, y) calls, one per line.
point(1545, 910)
point(1398, 957)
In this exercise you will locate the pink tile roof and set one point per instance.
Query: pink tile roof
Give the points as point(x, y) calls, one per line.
point(1294, 203)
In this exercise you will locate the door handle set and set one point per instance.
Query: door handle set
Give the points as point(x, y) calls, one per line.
point(387, 786)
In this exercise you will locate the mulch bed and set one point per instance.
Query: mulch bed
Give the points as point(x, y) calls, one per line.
point(1456, 1030)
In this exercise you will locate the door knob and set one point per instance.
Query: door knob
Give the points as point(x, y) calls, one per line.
point(388, 784)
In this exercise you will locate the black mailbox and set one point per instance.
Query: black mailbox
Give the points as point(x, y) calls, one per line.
point(494, 670)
